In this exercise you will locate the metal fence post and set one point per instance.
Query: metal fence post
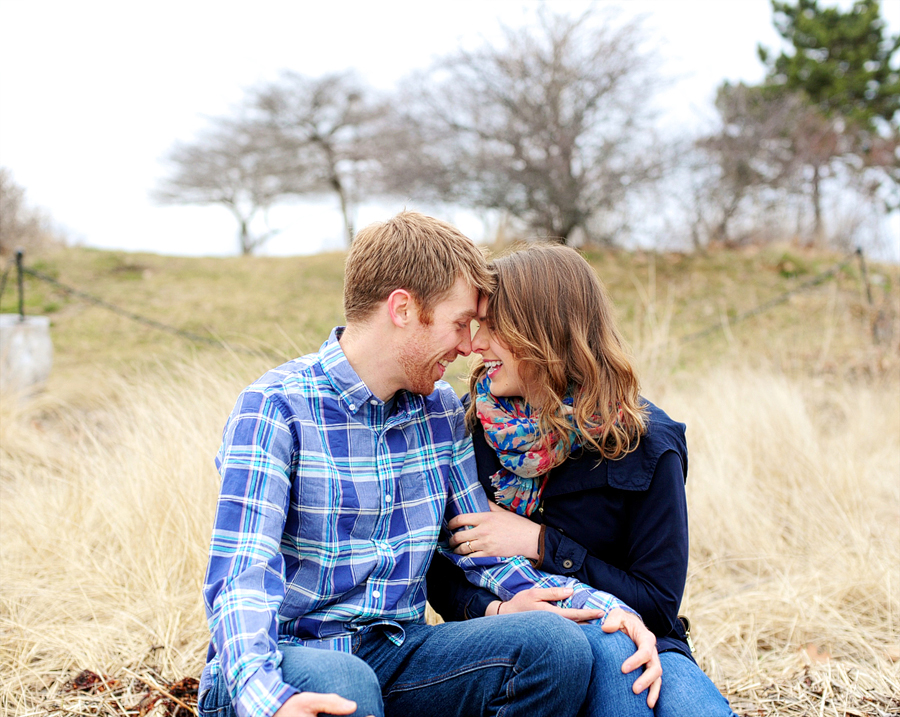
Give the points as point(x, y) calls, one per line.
point(865, 274)
point(19, 255)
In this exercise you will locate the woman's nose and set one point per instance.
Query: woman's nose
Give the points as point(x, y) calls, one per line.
point(479, 340)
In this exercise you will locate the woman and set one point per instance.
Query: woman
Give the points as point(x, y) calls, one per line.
point(587, 477)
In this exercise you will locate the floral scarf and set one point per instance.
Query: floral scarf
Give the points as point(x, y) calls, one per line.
point(512, 431)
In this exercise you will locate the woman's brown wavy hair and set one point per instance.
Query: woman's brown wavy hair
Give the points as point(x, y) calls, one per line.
point(553, 313)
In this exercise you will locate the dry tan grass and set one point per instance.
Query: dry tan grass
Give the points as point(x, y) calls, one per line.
point(794, 585)
point(107, 484)
point(106, 500)
point(104, 520)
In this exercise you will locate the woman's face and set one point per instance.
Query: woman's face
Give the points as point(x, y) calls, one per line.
point(502, 366)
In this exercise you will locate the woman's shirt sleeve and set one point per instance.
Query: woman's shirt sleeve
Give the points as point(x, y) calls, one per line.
point(451, 595)
point(657, 550)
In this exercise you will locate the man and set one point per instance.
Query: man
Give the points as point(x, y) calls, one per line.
point(339, 470)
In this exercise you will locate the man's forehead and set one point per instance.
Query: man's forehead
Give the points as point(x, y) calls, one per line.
point(466, 313)
point(462, 300)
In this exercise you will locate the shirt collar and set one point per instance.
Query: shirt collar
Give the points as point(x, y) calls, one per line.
point(350, 387)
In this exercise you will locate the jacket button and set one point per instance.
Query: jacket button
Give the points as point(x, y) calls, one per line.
point(567, 564)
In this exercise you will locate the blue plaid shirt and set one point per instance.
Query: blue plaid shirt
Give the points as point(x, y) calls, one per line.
point(330, 509)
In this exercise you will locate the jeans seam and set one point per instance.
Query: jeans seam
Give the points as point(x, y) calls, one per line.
point(436, 679)
point(510, 691)
point(213, 710)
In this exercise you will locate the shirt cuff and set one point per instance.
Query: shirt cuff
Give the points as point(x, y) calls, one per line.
point(561, 555)
point(264, 694)
point(540, 558)
point(478, 604)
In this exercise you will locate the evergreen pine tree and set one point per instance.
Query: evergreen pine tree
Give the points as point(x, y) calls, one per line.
point(841, 60)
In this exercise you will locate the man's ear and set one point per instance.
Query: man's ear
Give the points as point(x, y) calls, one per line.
point(401, 307)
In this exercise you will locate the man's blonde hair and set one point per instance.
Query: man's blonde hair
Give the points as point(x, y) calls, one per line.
point(411, 251)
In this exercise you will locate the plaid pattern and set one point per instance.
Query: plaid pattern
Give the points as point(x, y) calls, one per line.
point(330, 508)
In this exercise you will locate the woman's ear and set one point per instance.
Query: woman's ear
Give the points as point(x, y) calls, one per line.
point(401, 307)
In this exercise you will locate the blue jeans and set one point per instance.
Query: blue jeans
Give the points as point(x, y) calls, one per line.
point(686, 690)
point(532, 664)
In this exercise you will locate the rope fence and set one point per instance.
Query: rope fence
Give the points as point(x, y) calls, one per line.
point(782, 298)
point(90, 298)
point(856, 254)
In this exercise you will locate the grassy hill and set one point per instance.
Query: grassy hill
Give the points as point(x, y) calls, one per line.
point(281, 307)
point(107, 485)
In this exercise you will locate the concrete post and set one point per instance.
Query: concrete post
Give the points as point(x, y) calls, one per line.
point(26, 352)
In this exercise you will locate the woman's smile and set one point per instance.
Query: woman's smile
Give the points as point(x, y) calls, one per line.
point(492, 367)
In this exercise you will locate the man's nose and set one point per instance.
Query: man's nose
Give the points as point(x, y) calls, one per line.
point(465, 346)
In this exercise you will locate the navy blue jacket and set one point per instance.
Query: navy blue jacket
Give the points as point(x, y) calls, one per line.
point(620, 526)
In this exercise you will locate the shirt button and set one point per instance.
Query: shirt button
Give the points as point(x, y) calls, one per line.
point(352, 406)
point(388, 498)
point(567, 564)
point(374, 401)
point(376, 594)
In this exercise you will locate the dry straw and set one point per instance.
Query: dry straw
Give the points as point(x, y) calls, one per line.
point(106, 515)
point(794, 494)
point(106, 503)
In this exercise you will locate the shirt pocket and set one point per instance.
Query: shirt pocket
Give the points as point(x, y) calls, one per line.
point(335, 507)
point(418, 506)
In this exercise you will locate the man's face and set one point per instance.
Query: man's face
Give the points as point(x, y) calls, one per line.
point(431, 347)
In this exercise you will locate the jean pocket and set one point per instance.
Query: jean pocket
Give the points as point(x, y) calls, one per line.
point(211, 704)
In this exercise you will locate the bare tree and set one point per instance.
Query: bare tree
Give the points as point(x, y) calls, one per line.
point(774, 146)
point(21, 226)
point(825, 118)
point(235, 165)
point(550, 125)
point(333, 122)
point(753, 152)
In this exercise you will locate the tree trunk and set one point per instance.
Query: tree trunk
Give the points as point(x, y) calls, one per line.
point(722, 231)
point(817, 207)
point(246, 244)
point(338, 187)
point(561, 236)
point(345, 210)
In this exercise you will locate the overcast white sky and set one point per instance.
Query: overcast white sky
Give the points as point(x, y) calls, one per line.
point(93, 93)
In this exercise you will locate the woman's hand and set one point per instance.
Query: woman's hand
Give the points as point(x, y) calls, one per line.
point(499, 533)
point(646, 654)
point(543, 599)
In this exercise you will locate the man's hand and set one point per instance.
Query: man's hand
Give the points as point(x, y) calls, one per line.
point(310, 704)
point(499, 533)
point(541, 599)
point(646, 653)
